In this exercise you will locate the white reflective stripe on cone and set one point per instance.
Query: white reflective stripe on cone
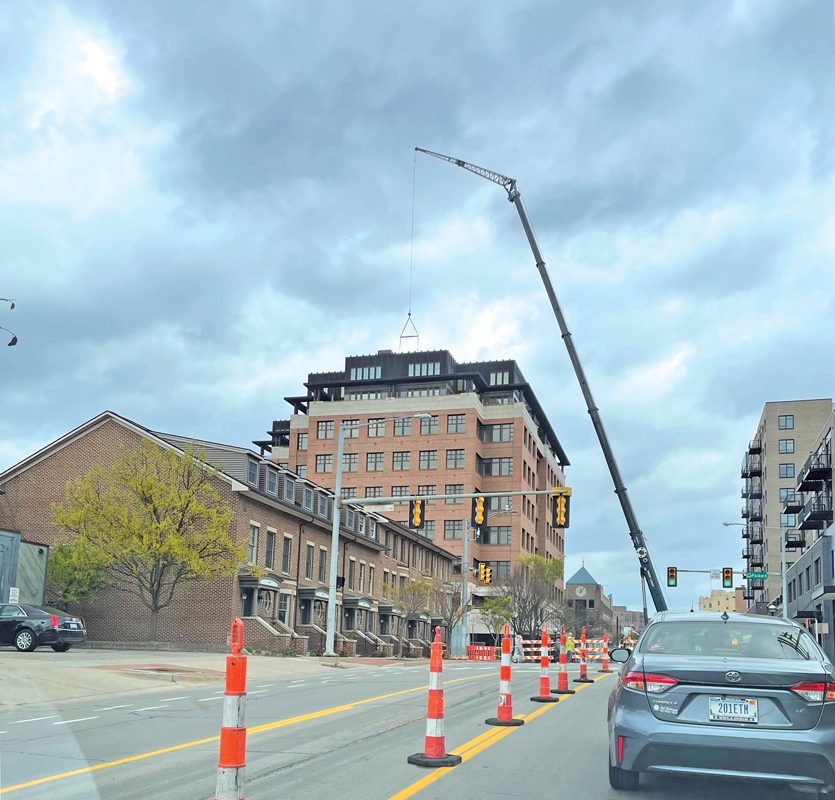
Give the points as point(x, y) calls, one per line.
point(434, 680)
point(234, 708)
point(505, 660)
point(504, 687)
point(435, 727)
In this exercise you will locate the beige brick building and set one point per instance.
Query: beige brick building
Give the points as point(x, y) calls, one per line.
point(285, 522)
point(784, 437)
point(486, 431)
point(718, 600)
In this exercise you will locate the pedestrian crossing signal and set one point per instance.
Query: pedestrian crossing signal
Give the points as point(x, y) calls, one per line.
point(479, 514)
point(416, 519)
point(672, 577)
point(727, 578)
point(561, 509)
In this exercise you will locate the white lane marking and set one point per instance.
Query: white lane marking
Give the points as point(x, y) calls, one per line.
point(151, 708)
point(110, 708)
point(257, 691)
point(2, 732)
point(266, 686)
point(206, 699)
point(169, 699)
point(70, 721)
point(33, 719)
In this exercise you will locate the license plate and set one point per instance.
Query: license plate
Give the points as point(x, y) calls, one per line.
point(733, 709)
point(72, 625)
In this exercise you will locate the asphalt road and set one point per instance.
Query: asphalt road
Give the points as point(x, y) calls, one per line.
point(343, 736)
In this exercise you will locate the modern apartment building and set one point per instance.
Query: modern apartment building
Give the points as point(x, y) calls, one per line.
point(481, 428)
point(785, 435)
point(811, 579)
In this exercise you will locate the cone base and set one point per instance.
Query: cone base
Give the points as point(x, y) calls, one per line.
point(605, 670)
point(421, 760)
point(562, 691)
point(546, 699)
point(505, 723)
point(583, 680)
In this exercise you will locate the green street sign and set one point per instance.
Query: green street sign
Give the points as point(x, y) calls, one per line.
point(755, 575)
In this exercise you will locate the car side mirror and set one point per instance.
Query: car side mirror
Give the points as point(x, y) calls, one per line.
point(620, 654)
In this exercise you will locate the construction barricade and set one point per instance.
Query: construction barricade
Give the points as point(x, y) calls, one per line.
point(481, 652)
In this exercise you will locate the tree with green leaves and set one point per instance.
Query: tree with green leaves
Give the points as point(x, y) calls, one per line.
point(153, 522)
point(496, 611)
point(73, 574)
point(412, 599)
point(531, 588)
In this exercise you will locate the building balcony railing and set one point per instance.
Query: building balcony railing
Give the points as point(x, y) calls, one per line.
point(757, 557)
point(755, 446)
point(817, 512)
point(793, 504)
point(755, 489)
point(746, 512)
point(747, 595)
point(752, 466)
point(756, 586)
point(755, 532)
point(816, 468)
point(795, 540)
point(747, 552)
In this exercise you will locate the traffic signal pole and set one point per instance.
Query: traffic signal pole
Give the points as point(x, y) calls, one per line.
point(637, 536)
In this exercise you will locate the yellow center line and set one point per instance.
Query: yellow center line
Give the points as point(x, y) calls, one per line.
point(268, 726)
point(480, 743)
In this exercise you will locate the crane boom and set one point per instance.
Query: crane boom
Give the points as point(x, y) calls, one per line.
point(636, 534)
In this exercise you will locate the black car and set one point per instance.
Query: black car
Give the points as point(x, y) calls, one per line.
point(27, 627)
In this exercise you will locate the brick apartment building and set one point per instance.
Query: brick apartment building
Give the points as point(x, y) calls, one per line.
point(486, 431)
point(592, 606)
point(285, 522)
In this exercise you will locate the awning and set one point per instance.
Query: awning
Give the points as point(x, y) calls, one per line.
point(250, 581)
point(388, 610)
point(312, 593)
point(359, 602)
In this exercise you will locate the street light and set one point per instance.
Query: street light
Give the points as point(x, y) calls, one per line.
point(337, 505)
point(772, 609)
point(783, 576)
point(13, 341)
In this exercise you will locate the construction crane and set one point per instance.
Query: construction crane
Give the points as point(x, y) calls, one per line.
point(648, 573)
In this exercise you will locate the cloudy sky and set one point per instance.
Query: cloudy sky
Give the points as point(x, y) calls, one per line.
point(202, 202)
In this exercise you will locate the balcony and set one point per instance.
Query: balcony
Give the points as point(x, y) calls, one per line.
point(817, 512)
point(755, 532)
point(795, 540)
point(793, 504)
point(817, 468)
point(755, 446)
point(747, 552)
point(756, 586)
point(755, 488)
point(747, 595)
point(757, 558)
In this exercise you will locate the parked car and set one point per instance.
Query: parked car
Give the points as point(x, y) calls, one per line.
point(730, 695)
point(28, 627)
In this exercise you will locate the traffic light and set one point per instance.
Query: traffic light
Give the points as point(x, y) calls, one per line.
point(727, 578)
point(416, 519)
point(482, 572)
point(672, 576)
point(479, 513)
point(488, 575)
point(561, 509)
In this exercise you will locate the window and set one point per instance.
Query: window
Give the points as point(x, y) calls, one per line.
point(308, 562)
point(350, 462)
point(787, 520)
point(377, 427)
point(455, 459)
point(252, 546)
point(785, 446)
point(429, 425)
point(324, 462)
point(286, 554)
point(453, 488)
point(289, 489)
point(372, 528)
point(324, 429)
point(386, 580)
point(428, 528)
point(420, 370)
point(378, 394)
point(500, 503)
point(323, 565)
point(591, 603)
point(808, 577)
point(453, 529)
point(252, 472)
point(456, 423)
point(349, 493)
point(501, 569)
point(399, 491)
point(373, 491)
point(785, 422)
point(404, 545)
point(301, 441)
point(496, 534)
point(352, 428)
point(403, 426)
point(799, 583)
point(496, 466)
point(401, 460)
point(270, 555)
point(283, 612)
point(426, 489)
point(375, 462)
point(496, 433)
point(301, 470)
point(817, 571)
point(428, 459)
point(307, 495)
point(402, 582)
point(272, 481)
point(371, 580)
point(361, 518)
point(366, 373)
point(350, 518)
point(786, 470)
point(352, 566)
point(786, 494)
point(323, 506)
point(361, 578)
point(499, 378)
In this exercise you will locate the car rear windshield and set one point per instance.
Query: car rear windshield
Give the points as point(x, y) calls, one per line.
point(738, 639)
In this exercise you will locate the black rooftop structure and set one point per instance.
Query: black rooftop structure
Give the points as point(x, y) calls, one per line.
point(396, 374)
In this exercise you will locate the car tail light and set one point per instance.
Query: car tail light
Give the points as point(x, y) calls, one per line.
point(54, 621)
point(648, 682)
point(815, 691)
